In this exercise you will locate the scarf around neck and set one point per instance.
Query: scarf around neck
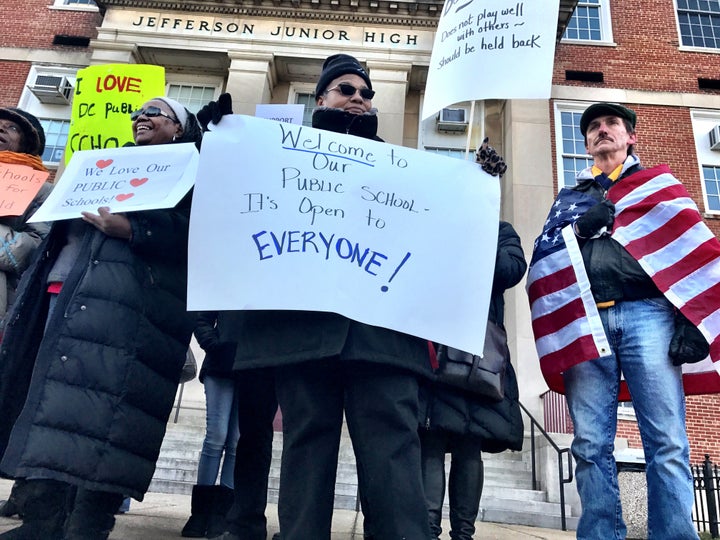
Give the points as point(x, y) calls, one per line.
point(18, 158)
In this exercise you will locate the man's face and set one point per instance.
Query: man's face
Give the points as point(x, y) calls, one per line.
point(335, 99)
point(608, 135)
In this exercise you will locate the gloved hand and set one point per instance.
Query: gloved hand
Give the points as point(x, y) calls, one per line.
point(490, 161)
point(598, 216)
point(687, 345)
point(215, 110)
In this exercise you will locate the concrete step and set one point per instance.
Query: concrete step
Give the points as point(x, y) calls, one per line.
point(508, 496)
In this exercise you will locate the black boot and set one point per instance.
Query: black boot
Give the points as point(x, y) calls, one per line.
point(93, 515)
point(222, 501)
point(464, 489)
point(433, 445)
point(44, 508)
point(200, 508)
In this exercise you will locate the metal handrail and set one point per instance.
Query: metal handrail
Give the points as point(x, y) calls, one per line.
point(562, 480)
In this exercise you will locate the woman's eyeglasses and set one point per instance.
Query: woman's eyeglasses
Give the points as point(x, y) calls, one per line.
point(349, 90)
point(150, 112)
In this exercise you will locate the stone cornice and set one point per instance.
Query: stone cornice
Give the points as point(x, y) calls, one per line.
point(424, 13)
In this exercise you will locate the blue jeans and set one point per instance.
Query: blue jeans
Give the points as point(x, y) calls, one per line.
point(639, 333)
point(221, 432)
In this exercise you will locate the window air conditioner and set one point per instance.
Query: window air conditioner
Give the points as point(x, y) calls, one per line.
point(454, 120)
point(52, 89)
point(714, 136)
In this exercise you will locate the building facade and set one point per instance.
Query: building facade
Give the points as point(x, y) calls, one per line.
point(660, 57)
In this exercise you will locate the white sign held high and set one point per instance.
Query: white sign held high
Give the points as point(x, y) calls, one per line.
point(288, 217)
point(289, 113)
point(500, 49)
point(124, 179)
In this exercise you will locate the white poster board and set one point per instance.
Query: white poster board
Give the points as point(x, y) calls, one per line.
point(124, 179)
point(500, 49)
point(291, 113)
point(292, 218)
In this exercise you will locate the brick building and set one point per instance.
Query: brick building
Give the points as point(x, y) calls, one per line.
point(660, 57)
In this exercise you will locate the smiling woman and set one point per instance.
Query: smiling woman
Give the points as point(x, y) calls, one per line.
point(99, 337)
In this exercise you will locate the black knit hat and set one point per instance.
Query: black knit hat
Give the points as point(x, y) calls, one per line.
point(606, 109)
point(34, 134)
point(336, 65)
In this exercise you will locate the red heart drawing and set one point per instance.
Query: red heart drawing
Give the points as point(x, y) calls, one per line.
point(102, 163)
point(135, 182)
point(124, 196)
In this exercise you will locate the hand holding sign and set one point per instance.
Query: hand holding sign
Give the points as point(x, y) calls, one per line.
point(115, 225)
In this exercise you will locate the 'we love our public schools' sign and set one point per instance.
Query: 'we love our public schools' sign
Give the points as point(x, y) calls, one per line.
point(294, 218)
point(123, 179)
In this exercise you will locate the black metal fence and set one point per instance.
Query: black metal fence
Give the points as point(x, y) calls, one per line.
point(706, 480)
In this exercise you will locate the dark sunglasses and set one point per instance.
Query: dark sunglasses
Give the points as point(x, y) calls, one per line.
point(150, 112)
point(349, 90)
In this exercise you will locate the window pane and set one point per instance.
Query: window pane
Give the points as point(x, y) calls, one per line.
point(193, 97)
point(83, 2)
point(699, 23)
point(574, 157)
point(309, 101)
point(56, 135)
point(586, 22)
point(458, 153)
point(711, 177)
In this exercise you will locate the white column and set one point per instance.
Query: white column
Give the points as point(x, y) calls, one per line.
point(251, 79)
point(390, 82)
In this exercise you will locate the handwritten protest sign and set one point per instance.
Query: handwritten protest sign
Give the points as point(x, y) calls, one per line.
point(491, 49)
point(293, 218)
point(123, 179)
point(105, 95)
point(291, 113)
point(18, 186)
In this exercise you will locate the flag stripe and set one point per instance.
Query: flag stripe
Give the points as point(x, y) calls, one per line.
point(691, 262)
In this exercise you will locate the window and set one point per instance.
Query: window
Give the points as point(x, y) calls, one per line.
point(704, 124)
point(590, 22)
point(699, 22)
point(192, 96)
point(56, 135)
point(88, 5)
point(570, 144)
point(307, 99)
point(458, 153)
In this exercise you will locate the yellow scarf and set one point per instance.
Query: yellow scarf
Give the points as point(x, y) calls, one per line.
point(612, 176)
point(16, 158)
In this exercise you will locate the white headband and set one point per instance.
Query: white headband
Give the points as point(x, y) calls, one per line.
point(178, 108)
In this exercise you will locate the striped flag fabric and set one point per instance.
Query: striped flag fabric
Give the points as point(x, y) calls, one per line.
point(658, 223)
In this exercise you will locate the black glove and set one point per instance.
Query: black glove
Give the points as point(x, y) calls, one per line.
point(598, 216)
point(490, 161)
point(687, 345)
point(215, 110)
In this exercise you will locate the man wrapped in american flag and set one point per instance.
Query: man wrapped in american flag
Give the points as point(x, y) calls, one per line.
point(623, 287)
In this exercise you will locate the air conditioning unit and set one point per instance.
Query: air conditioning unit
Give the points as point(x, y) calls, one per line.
point(452, 119)
point(52, 89)
point(714, 136)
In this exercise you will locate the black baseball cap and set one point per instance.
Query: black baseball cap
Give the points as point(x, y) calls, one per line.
point(606, 109)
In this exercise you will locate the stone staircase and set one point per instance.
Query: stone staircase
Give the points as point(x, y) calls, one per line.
point(507, 497)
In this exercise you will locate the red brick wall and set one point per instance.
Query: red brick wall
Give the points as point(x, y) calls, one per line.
point(32, 24)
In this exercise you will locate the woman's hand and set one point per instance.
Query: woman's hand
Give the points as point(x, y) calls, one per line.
point(115, 225)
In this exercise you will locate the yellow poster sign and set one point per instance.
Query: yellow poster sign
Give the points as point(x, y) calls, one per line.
point(105, 95)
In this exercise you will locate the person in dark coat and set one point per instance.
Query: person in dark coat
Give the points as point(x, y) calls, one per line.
point(210, 502)
point(464, 424)
point(92, 355)
point(327, 366)
point(22, 142)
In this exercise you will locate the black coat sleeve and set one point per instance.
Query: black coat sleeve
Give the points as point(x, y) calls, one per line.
point(206, 331)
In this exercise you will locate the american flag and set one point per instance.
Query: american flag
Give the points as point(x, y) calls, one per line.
point(660, 226)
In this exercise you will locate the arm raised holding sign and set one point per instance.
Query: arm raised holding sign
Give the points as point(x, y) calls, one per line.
point(99, 333)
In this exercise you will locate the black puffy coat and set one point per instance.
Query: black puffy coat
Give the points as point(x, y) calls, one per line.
point(105, 373)
point(275, 338)
point(498, 424)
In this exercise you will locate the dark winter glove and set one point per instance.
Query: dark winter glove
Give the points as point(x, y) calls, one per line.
point(598, 216)
point(490, 160)
point(688, 345)
point(215, 110)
